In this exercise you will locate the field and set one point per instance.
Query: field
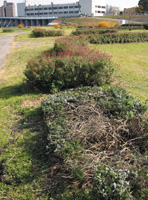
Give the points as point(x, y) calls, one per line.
point(23, 162)
point(132, 73)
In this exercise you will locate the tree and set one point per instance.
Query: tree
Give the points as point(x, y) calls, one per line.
point(144, 3)
point(113, 11)
point(139, 10)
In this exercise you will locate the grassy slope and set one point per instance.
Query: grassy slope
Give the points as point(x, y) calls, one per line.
point(21, 129)
point(83, 20)
point(132, 73)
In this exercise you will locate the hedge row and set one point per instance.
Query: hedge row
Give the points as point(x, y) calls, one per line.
point(69, 65)
point(93, 31)
point(123, 27)
point(47, 33)
point(118, 38)
point(8, 30)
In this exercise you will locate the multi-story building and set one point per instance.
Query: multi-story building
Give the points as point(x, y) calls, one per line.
point(2, 11)
point(87, 7)
point(7, 10)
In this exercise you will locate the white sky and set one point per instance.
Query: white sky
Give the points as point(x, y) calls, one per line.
point(119, 3)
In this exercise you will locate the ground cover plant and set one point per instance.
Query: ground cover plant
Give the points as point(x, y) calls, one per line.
point(29, 171)
point(69, 65)
point(91, 144)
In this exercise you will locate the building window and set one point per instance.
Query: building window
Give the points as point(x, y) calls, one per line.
point(60, 12)
point(55, 8)
point(76, 11)
point(45, 14)
point(103, 7)
point(60, 7)
point(40, 8)
point(55, 13)
point(76, 6)
point(45, 8)
point(50, 13)
point(65, 12)
point(66, 7)
point(49, 8)
point(70, 6)
point(70, 11)
point(103, 11)
point(36, 8)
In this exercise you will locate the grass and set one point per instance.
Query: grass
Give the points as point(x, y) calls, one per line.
point(22, 144)
point(132, 73)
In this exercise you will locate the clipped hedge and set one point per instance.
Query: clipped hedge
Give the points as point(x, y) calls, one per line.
point(8, 30)
point(93, 31)
point(118, 38)
point(123, 27)
point(47, 33)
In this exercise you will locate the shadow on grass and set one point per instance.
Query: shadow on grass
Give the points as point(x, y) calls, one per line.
point(44, 168)
point(16, 90)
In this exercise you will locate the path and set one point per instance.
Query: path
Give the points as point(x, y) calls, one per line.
point(5, 46)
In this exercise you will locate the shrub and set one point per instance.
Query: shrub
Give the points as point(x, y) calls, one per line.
point(93, 31)
point(57, 26)
point(70, 44)
point(146, 26)
point(64, 69)
point(47, 33)
point(106, 24)
point(39, 32)
point(8, 30)
point(75, 24)
point(20, 25)
point(118, 38)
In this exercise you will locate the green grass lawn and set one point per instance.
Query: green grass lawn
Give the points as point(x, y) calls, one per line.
point(132, 73)
point(22, 139)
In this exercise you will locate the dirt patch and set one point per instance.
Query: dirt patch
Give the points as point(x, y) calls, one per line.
point(35, 102)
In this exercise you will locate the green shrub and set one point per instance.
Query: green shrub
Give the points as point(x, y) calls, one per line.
point(118, 38)
point(47, 33)
point(66, 70)
point(93, 31)
point(146, 26)
point(8, 30)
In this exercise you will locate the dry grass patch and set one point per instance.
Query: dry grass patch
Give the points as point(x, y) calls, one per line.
point(33, 103)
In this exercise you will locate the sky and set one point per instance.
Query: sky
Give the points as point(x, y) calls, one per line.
point(118, 3)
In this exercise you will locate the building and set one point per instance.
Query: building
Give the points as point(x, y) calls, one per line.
point(93, 7)
point(87, 7)
point(7, 10)
point(112, 10)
